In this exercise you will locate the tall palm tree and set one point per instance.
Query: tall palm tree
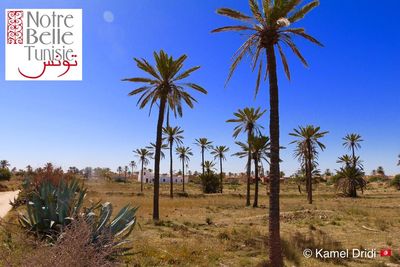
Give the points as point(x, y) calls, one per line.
point(267, 28)
point(247, 122)
point(143, 154)
point(352, 142)
point(209, 166)
point(152, 148)
point(4, 164)
point(172, 135)
point(219, 153)
point(184, 153)
point(259, 147)
point(205, 144)
point(165, 88)
point(306, 151)
point(133, 165)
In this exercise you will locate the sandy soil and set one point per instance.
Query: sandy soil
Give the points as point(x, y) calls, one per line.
point(5, 198)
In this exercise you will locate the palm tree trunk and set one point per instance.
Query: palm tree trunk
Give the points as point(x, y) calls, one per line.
point(354, 156)
point(220, 173)
point(141, 177)
point(171, 193)
point(255, 204)
point(183, 175)
point(157, 158)
point(309, 174)
point(275, 249)
point(248, 170)
point(202, 158)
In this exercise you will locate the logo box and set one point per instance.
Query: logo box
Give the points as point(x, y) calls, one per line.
point(43, 44)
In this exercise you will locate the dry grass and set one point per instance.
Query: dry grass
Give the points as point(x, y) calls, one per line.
point(217, 230)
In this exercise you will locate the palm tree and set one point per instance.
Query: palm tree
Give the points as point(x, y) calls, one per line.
point(126, 169)
point(247, 122)
point(133, 165)
point(352, 142)
point(209, 166)
point(259, 147)
point(184, 153)
point(29, 169)
point(119, 170)
point(219, 153)
point(4, 164)
point(205, 144)
point(143, 154)
point(152, 148)
point(398, 163)
point(172, 135)
point(269, 27)
point(306, 151)
point(166, 89)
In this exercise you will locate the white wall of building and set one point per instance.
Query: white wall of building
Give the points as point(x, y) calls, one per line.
point(148, 177)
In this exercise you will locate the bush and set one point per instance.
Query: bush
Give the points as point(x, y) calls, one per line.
point(396, 182)
point(210, 183)
point(375, 179)
point(5, 174)
point(73, 248)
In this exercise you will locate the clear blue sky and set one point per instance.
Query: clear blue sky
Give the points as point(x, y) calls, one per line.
point(351, 85)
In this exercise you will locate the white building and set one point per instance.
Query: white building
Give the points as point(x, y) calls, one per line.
point(148, 177)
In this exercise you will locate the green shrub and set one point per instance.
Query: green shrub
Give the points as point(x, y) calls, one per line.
point(210, 183)
point(396, 182)
point(375, 179)
point(5, 174)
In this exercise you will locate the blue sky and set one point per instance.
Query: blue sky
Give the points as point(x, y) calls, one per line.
point(351, 85)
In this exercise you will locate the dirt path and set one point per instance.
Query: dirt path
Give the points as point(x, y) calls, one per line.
point(5, 198)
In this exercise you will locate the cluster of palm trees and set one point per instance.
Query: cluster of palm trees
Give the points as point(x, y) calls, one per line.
point(268, 28)
point(174, 136)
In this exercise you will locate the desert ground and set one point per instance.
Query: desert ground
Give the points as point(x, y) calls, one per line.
point(218, 230)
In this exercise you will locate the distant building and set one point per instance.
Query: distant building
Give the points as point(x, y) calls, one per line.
point(148, 177)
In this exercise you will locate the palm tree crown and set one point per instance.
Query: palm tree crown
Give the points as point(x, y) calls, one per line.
point(219, 152)
point(143, 154)
point(247, 121)
point(352, 141)
point(165, 82)
point(270, 24)
point(204, 143)
point(184, 153)
point(308, 141)
point(173, 135)
point(209, 166)
point(152, 149)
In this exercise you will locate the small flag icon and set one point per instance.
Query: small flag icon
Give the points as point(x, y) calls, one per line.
point(386, 252)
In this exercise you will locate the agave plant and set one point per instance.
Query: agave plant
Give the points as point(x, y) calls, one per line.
point(50, 208)
point(114, 232)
